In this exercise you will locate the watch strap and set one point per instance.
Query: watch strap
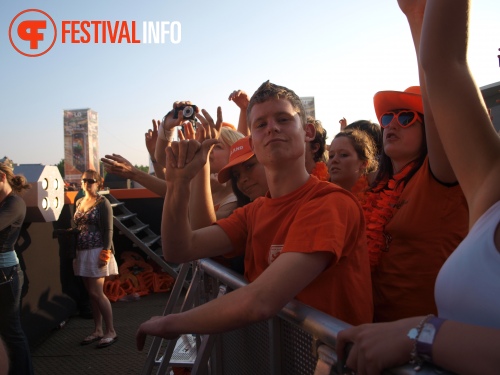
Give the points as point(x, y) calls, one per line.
point(425, 339)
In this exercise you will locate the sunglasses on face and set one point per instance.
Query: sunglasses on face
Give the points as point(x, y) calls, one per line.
point(404, 118)
point(89, 181)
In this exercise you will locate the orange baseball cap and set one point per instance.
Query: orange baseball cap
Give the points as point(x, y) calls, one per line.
point(385, 101)
point(240, 153)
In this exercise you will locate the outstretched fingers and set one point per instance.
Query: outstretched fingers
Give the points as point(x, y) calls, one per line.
point(240, 98)
point(189, 132)
point(212, 129)
point(181, 153)
point(156, 124)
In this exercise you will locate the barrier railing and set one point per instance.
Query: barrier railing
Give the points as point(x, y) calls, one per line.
point(299, 340)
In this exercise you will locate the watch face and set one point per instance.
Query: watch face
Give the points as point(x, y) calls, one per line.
point(427, 334)
point(413, 333)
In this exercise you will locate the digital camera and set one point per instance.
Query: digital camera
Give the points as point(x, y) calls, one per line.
point(188, 112)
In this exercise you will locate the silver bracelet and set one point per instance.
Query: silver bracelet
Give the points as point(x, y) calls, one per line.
point(413, 334)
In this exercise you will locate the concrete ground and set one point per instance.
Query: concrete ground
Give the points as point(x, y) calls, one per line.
point(61, 353)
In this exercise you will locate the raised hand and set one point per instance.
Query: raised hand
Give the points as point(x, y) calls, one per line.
point(209, 129)
point(189, 132)
point(151, 136)
point(166, 130)
point(169, 122)
point(343, 123)
point(117, 164)
point(240, 98)
point(188, 156)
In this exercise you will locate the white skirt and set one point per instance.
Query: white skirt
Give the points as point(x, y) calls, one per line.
point(86, 264)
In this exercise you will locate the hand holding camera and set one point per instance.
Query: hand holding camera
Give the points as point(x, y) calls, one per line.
point(186, 158)
point(182, 111)
point(188, 112)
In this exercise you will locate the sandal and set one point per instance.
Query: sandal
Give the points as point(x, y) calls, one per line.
point(90, 339)
point(103, 343)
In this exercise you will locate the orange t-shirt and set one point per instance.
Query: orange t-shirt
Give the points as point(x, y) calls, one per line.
point(319, 216)
point(429, 223)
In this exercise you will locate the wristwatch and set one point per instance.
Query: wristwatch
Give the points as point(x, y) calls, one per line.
point(425, 339)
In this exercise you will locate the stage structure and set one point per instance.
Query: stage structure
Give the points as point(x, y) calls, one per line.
point(81, 143)
point(45, 199)
point(308, 103)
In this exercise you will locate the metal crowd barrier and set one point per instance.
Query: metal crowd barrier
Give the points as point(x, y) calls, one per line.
point(299, 340)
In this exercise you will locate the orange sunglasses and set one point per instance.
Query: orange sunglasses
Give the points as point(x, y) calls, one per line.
point(404, 118)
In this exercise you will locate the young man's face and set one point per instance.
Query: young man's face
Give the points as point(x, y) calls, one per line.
point(277, 132)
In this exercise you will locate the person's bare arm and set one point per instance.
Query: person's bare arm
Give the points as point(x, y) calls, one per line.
point(241, 99)
point(151, 138)
point(438, 160)
point(464, 126)
point(185, 159)
point(117, 164)
point(458, 347)
point(201, 205)
point(260, 300)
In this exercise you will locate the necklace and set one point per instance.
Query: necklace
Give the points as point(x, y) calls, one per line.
point(320, 170)
point(360, 188)
point(379, 207)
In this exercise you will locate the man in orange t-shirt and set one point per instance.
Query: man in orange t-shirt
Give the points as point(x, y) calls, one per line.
point(305, 239)
point(316, 216)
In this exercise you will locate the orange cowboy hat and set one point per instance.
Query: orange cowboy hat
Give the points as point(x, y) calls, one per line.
point(385, 101)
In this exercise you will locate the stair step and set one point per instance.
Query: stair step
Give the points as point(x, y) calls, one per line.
point(150, 243)
point(149, 240)
point(138, 227)
point(126, 216)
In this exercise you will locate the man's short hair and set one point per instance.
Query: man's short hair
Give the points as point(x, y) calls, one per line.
point(268, 91)
point(319, 139)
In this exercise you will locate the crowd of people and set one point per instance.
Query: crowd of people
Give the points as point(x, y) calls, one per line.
point(392, 228)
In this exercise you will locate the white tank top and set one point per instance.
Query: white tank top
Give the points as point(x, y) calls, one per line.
point(468, 285)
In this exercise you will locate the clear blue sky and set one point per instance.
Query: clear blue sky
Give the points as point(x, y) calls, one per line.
point(340, 52)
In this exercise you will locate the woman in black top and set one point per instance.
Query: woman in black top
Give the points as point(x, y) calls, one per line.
point(12, 213)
